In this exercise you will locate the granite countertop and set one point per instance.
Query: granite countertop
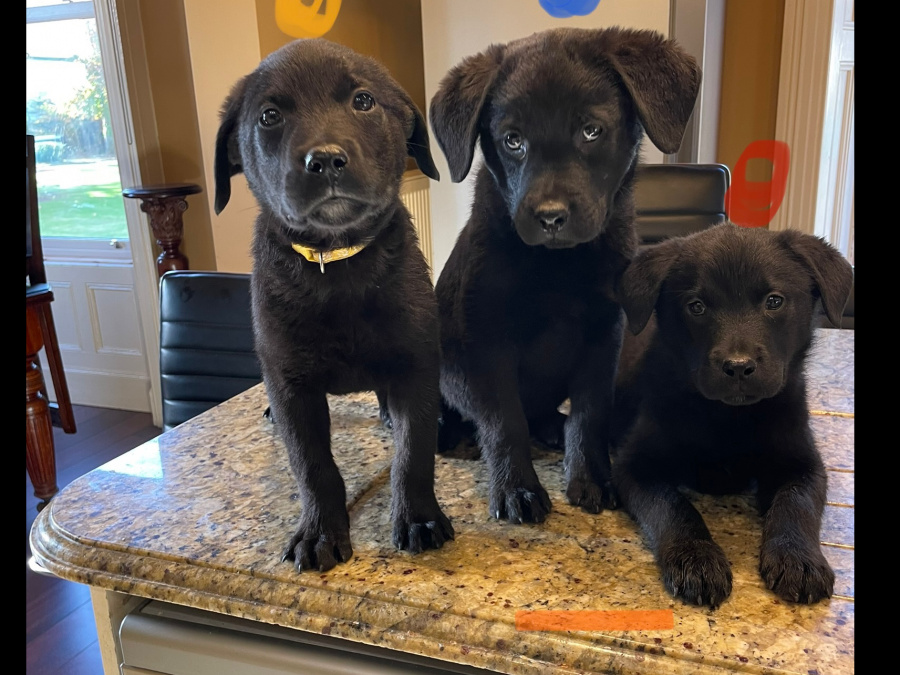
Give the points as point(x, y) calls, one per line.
point(199, 516)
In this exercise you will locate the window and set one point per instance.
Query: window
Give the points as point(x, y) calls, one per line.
point(67, 111)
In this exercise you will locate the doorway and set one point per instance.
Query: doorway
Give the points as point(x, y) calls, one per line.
point(77, 116)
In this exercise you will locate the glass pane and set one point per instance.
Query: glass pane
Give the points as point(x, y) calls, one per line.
point(66, 108)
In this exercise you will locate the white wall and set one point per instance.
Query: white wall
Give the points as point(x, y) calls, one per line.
point(454, 29)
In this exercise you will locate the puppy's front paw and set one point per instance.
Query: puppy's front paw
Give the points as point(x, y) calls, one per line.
point(796, 574)
point(520, 504)
point(430, 528)
point(318, 548)
point(590, 496)
point(697, 572)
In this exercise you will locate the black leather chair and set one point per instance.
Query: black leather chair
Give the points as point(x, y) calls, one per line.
point(672, 200)
point(206, 342)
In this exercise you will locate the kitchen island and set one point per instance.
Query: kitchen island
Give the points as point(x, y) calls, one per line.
point(197, 519)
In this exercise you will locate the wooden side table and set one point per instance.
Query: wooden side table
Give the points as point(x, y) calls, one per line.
point(164, 204)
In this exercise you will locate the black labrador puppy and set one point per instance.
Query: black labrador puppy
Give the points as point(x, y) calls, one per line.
point(528, 313)
point(716, 387)
point(342, 296)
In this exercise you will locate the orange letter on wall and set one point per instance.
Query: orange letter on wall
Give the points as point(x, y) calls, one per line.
point(754, 203)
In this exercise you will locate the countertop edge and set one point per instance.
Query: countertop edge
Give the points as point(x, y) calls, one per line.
point(420, 631)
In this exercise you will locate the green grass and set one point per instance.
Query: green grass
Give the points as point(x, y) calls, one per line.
point(81, 200)
point(83, 211)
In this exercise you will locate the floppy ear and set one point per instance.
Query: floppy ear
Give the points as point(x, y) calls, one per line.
point(227, 160)
point(662, 78)
point(831, 271)
point(417, 145)
point(457, 105)
point(639, 286)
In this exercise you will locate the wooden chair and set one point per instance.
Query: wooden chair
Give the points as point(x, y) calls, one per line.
point(40, 332)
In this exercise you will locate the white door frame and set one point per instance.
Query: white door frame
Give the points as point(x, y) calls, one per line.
point(146, 282)
point(815, 119)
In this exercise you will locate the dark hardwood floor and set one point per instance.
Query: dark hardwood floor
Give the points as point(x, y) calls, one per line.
point(60, 636)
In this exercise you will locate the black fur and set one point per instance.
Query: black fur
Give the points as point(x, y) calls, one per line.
point(717, 393)
point(370, 322)
point(528, 313)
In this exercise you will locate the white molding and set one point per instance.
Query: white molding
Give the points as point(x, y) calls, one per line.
point(802, 98)
point(86, 251)
point(87, 386)
point(699, 27)
point(834, 217)
point(836, 187)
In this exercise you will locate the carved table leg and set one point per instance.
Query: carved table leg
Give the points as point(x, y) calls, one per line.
point(40, 456)
point(167, 224)
point(164, 206)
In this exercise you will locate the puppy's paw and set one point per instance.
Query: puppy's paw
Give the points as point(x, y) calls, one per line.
point(796, 574)
point(430, 529)
point(590, 496)
point(520, 504)
point(314, 548)
point(697, 572)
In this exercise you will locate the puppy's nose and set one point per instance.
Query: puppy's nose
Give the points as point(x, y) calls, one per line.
point(739, 368)
point(328, 159)
point(552, 216)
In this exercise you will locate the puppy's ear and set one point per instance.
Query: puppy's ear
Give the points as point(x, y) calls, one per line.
point(417, 145)
point(831, 271)
point(456, 107)
point(227, 160)
point(639, 286)
point(662, 78)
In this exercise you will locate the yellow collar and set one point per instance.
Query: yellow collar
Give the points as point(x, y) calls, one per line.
point(323, 257)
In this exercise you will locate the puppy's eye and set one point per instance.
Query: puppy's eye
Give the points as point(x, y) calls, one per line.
point(591, 132)
point(363, 101)
point(514, 141)
point(774, 302)
point(270, 118)
point(696, 307)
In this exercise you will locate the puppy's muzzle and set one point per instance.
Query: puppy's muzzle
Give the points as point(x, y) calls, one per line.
point(552, 216)
point(328, 160)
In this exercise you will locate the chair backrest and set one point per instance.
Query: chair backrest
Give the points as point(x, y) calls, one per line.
point(206, 342)
point(672, 200)
point(34, 253)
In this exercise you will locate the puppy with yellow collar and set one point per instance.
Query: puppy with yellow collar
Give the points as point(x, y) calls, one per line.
point(341, 293)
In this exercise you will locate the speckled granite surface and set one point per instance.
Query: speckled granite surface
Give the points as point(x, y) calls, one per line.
point(199, 515)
